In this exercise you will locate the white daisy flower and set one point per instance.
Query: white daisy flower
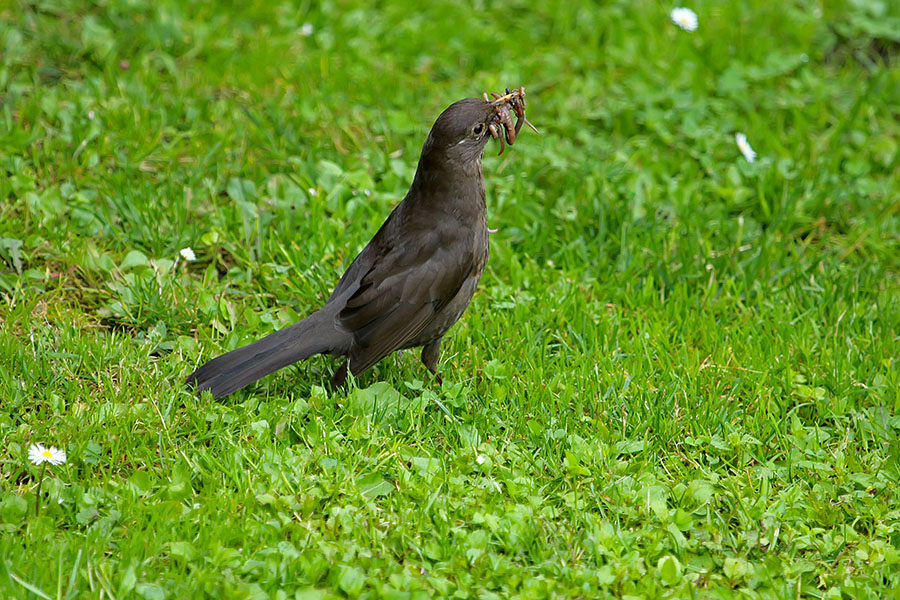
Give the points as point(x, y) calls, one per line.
point(313, 192)
point(744, 146)
point(188, 254)
point(684, 18)
point(38, 454)
point(307, 29)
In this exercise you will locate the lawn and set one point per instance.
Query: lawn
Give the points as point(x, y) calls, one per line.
point(679, 377)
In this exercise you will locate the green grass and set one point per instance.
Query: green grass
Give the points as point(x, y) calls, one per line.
point(678, 378)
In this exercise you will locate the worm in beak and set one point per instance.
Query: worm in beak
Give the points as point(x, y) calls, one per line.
point(501, 125)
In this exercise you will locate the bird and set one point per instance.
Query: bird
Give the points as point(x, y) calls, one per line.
point(417, 275)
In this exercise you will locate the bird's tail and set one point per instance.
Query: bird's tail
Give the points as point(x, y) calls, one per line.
point(230, 372)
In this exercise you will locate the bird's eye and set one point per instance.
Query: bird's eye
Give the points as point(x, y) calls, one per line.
point(478, 129)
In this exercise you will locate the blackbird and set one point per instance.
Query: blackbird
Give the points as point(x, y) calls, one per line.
point(414, 279)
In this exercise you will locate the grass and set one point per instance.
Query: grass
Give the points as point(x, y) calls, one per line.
point(678, 378)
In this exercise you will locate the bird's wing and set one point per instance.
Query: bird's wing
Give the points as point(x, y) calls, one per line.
point(399, 295)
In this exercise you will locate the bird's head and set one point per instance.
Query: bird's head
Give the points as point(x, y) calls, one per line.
point(462, 130)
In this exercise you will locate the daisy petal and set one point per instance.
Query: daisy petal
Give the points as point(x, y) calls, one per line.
point(36, 453)
point(744, 146)
point(56, 456)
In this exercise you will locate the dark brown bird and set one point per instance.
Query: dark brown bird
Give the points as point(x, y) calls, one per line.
point(413, 281)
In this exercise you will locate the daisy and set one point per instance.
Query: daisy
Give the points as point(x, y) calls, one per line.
point(188, 254)
point(38, 455)
point(684, 18)
point(307, 30)
point(744, 147)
